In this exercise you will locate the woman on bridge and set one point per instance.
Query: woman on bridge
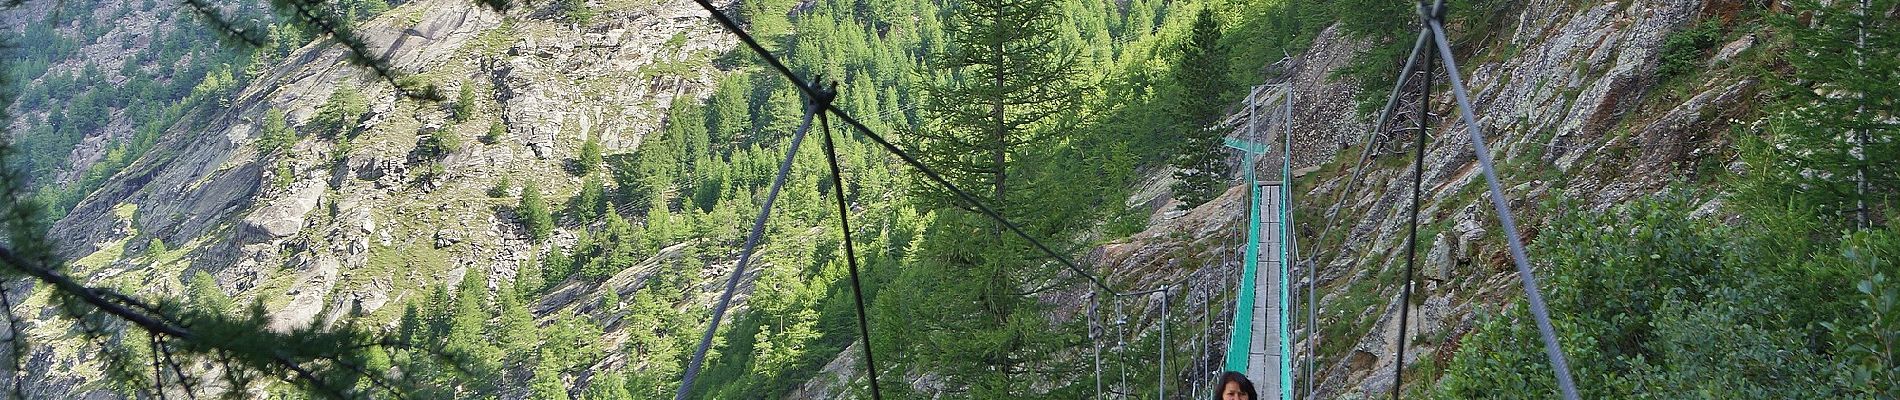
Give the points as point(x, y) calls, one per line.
point(1234, 386)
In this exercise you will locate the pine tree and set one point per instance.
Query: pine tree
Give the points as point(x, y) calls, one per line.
point(516, 332)
point(477, 354)
point(529, 279)
point(534, 213)
point(464, 101)
point(607, 385)
point(547, 384)
point(1007, 79)
point(205, 295)
point(1839, 98)
point(1202, 77)
point(1007, 83)
point(155, 249)
point(591, 157)
point(767, 18)
point(337, 117)
point(728, 114)
point(276, 133)
point(592, 201)
point(495, 130)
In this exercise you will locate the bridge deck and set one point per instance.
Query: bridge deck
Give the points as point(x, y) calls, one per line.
point(1263, 360)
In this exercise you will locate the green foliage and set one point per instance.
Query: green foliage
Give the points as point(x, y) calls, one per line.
point(988, 109)
point(465, 102)
point(591, 202)
point(1830, 106)
point(591, 157)
point(1202, 73)
point(534, 214)
point(283, 175)
point(1656, 304)
point(495, 131)
point(155, 248)
point(501, 187)
point(1392, 26)
point(438, 144)
point(1006, 91)
point(617, 247)
point(467, 331)
point(276, 134)
point(204, 294)
point(578, 11)
point(607, 385)
point(766, 18)
point(1684, 50)
point(338, 116)
point(1872, 349)
point(547, 384)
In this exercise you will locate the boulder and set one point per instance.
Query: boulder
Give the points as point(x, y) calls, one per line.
point(285, 216)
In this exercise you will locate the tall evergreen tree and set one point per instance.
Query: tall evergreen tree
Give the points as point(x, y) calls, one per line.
point(1006, 81)
point(337, 117)
point(1202, 77)
point(1837, 123)
point(466, 326)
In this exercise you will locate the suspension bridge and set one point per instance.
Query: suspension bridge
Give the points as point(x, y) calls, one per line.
point(1259, 343)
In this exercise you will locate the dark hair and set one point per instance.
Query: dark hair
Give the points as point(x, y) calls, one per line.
point(1246, 386)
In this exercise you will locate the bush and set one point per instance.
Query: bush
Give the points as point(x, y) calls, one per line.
point(276, 134)
point(579, 12)
point(337, 117)
point(465, 102)
point(495, 130)
point(1651, 303)
point(438, 144)
point(501, 187)
point(1683, 50)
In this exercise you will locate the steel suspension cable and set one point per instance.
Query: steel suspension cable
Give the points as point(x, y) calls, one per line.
point(1332, 213)
point(811, 92)
point(745, 255)
point(850, 252)
point(1352, 183)
point(804, 86)
point(1539, 311)
point(1411, 241)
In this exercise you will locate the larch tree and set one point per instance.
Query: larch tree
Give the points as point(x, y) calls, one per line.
point(1202, 76)
point(1833, 137)
point(998, 103)
point(533, 212)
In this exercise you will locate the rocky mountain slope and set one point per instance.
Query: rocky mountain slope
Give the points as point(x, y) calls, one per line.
point(1573, 106)
point(321, 229)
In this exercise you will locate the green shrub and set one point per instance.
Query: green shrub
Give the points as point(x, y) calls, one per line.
point(1683, 50)
point(1651, 303)
point(495, 130)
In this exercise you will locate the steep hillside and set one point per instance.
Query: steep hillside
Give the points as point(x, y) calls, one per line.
point(1572, 102)
point(319, 227)
point(1574, 107)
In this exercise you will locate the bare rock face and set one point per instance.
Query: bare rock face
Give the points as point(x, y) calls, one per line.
point(284, 216)
point(315, 278)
